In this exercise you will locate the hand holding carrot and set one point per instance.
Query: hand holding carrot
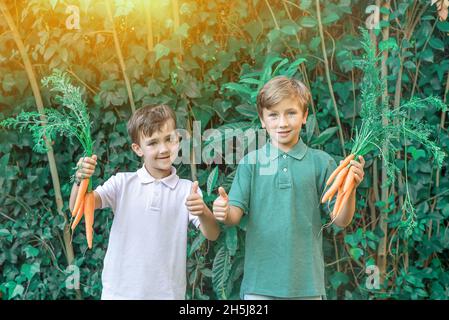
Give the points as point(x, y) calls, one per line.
point(86, 167)
point(343, 181)
point(357, 170)
point(221, 205)
point(194, 202)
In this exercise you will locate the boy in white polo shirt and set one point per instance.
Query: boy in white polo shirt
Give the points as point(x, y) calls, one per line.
point(146, 255)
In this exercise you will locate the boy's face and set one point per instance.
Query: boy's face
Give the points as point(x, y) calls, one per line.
point(283, 123)
point(159, 150)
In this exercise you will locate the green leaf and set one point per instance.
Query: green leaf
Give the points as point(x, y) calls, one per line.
point(220, 272)
point(289, 30)
point(308, 22)
point(30, 251)
point(436, 43)
point(338, 278)
point(196, 244)
point(29, 270)
point(427, 55)
point(49, 52)
point(324, 136)
point(305, 4)
point(416, 153)
point(7, 234)
point(161, 51)
point(443, 26)
point(212, 180)
point(15, 290)
point(356, 253)
point(388, 44)
point(231, 240)
point(409, 65)
point(248, 111)
point(183, 31)
point(8, 82)
point(330, 18)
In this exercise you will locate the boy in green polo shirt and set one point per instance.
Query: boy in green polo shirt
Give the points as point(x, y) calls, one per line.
point(279, 186)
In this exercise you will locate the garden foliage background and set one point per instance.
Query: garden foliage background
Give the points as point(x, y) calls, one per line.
point(183, 52)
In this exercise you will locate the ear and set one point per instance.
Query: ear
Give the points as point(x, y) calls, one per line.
point(137, 150)
point(306, 114)
point(262, 122)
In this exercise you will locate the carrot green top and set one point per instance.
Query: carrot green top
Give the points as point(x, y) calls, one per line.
point(281, 193)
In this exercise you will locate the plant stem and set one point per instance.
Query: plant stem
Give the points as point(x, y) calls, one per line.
point(120, 57)
point(329, 82)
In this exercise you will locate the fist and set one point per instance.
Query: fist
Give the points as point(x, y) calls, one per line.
point(194, 202)
point(86, 167)
point(221, 205)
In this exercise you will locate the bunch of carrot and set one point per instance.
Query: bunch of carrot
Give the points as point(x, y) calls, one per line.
point(84, 205)
point(343, 185)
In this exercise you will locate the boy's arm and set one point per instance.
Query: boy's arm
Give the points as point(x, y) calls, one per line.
point(234, 216)
point(208, 225)
point(348, 209)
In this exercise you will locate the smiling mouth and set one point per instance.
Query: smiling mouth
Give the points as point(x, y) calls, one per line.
point(163, 158)
point(284, 132)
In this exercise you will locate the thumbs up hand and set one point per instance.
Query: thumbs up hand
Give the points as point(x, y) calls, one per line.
point(221, 205)
point(194, 202)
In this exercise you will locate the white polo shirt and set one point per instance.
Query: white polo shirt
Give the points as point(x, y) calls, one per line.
point(147, 250)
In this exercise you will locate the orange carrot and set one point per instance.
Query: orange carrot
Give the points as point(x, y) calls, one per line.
point(339, 168)
point(80, 196)
point(337, 203)
point(349, 180)
point(344, 199)
point(74, 213)
point(336, 185)
point(89, 209)
point(79, 214)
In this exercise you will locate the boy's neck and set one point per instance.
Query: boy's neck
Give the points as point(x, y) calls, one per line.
point(157, 173)
point(285, 148)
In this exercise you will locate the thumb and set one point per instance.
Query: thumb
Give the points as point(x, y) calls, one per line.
point(94, 157)
point(223, 193)
point(194, 187)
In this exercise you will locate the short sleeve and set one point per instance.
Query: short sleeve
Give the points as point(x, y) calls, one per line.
point(108, 192)
point(239, 195)
point(195, 220)
point(325, 173)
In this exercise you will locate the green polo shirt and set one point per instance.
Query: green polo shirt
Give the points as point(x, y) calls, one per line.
point(281, 193)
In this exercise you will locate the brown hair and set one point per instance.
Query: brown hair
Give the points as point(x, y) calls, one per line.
point(280, 88)
point(149, 119)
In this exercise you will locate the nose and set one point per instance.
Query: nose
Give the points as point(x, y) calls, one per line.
point(283, 121)
point(163, 148)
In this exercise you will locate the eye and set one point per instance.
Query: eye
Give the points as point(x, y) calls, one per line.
point(292, 112)
point(151, 143)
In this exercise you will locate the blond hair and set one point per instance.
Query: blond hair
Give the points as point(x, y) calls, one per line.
point(280, 88)
point(149, 119)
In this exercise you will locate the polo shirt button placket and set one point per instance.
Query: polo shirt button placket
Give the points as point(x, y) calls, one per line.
point(155, 203)
point(284, 179)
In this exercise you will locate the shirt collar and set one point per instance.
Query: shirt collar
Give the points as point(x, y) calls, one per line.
point(170, 181)
point(298, 151)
